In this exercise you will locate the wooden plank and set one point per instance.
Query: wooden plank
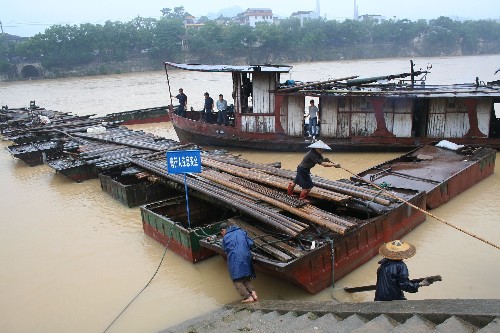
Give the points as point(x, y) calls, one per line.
point(256, 235)
point(266, 238)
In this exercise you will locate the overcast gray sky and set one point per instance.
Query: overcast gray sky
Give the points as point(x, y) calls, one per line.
point(28, 17)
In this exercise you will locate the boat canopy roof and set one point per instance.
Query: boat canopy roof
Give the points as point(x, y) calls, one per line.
point(379, 86)
point(229, 68)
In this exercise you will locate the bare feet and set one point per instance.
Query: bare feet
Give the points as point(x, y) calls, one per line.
point(248, 300)
point(254, 296)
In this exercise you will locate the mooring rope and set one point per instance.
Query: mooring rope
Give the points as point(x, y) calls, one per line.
point(422, 210)
point(147, 284)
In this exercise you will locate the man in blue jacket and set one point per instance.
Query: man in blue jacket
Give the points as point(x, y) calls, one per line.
point(392, 275)
point(237, 244)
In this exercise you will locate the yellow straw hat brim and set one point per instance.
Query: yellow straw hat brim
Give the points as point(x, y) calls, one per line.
point(397, 250)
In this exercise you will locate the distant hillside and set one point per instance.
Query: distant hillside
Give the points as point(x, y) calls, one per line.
point(13, 38)
point(226, 12)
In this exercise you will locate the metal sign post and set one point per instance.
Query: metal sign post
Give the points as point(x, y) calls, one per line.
point(184, 161)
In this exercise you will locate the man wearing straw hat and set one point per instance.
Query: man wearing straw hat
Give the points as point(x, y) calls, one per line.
point(303, 177)
point(392, 275)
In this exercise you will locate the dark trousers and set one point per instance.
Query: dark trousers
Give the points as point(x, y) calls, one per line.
point(244, 287)
point(181, 111)
point(222, 118)
point(207, 115)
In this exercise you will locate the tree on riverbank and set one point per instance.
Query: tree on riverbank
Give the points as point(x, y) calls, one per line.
point(62, 48)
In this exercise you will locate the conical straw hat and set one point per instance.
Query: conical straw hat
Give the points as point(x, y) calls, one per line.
point(397, 250)
point(319, 144)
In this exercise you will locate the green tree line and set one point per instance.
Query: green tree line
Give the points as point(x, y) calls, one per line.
point(222, 41)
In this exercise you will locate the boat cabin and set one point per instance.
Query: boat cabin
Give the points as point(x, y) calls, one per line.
point(399, 110)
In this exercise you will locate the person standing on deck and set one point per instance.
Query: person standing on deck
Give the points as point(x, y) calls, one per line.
point(313, 119)
point(209, 107)
point(181, 110)
point(392, 274)
point(303, 177)
point(237, 244)
point(222, 107)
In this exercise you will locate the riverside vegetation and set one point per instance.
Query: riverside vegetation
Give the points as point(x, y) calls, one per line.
point(144, 43)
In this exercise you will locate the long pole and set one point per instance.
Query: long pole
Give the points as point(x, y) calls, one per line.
point(187, 201)
point(168, 83)
point(422, 210)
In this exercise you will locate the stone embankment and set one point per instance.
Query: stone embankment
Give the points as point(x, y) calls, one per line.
point(453, 316)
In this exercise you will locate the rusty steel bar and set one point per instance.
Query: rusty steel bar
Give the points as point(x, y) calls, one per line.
point(258, 212)
point(337, 186)
point(212, 176)
point(326, 219)
point(273, 180)
point(271, 240)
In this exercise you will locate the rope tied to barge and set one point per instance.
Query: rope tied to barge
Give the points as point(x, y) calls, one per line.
point(147, 284)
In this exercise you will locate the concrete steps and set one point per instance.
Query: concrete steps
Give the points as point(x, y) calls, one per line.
point(437, 316)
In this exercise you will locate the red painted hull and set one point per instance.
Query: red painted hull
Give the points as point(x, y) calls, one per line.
point(329, 262)
point(193, 131)
point(141, 116)
point(313, 272)
point(177, 247)
point(449, 173)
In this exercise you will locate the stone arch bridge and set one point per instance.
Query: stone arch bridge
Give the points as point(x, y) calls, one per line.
point(30, 70)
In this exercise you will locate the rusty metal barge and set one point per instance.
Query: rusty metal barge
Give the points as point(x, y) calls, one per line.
point(54, 137)
point(308, 244)
point(396, 112)
point(157, 114)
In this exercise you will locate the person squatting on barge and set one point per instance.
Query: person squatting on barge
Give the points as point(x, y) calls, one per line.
point(303, 177)
point(392, 274)
point(237, 245)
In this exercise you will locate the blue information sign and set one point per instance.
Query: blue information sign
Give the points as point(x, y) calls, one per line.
point(184, 161)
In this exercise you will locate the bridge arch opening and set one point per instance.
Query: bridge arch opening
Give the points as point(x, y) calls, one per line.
point(29, 71)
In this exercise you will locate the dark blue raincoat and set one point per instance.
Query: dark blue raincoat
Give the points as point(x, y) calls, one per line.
point(392, 280)
point(237, 244)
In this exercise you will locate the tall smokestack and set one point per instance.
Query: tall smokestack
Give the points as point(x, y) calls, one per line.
point(318, 15)
point(355, 11)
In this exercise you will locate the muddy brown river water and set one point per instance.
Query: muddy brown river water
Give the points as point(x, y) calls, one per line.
point(72, 257)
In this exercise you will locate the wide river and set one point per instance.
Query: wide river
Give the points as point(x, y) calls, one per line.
point(72, 257)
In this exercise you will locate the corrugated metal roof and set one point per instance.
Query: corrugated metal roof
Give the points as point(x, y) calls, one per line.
point(230, 68)
point(429, 91)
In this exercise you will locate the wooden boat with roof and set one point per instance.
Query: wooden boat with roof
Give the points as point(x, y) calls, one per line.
point(396, 112)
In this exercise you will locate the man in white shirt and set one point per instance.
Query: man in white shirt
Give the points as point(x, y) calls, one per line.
point(222, 107)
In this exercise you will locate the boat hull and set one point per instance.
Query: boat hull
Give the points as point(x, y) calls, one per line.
point(448, 174)
point(36, 153)
point(319, 267)
point(141, 116)
point(207, 134)
point(132, 191)
point(314, 272)
point(166, 221)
